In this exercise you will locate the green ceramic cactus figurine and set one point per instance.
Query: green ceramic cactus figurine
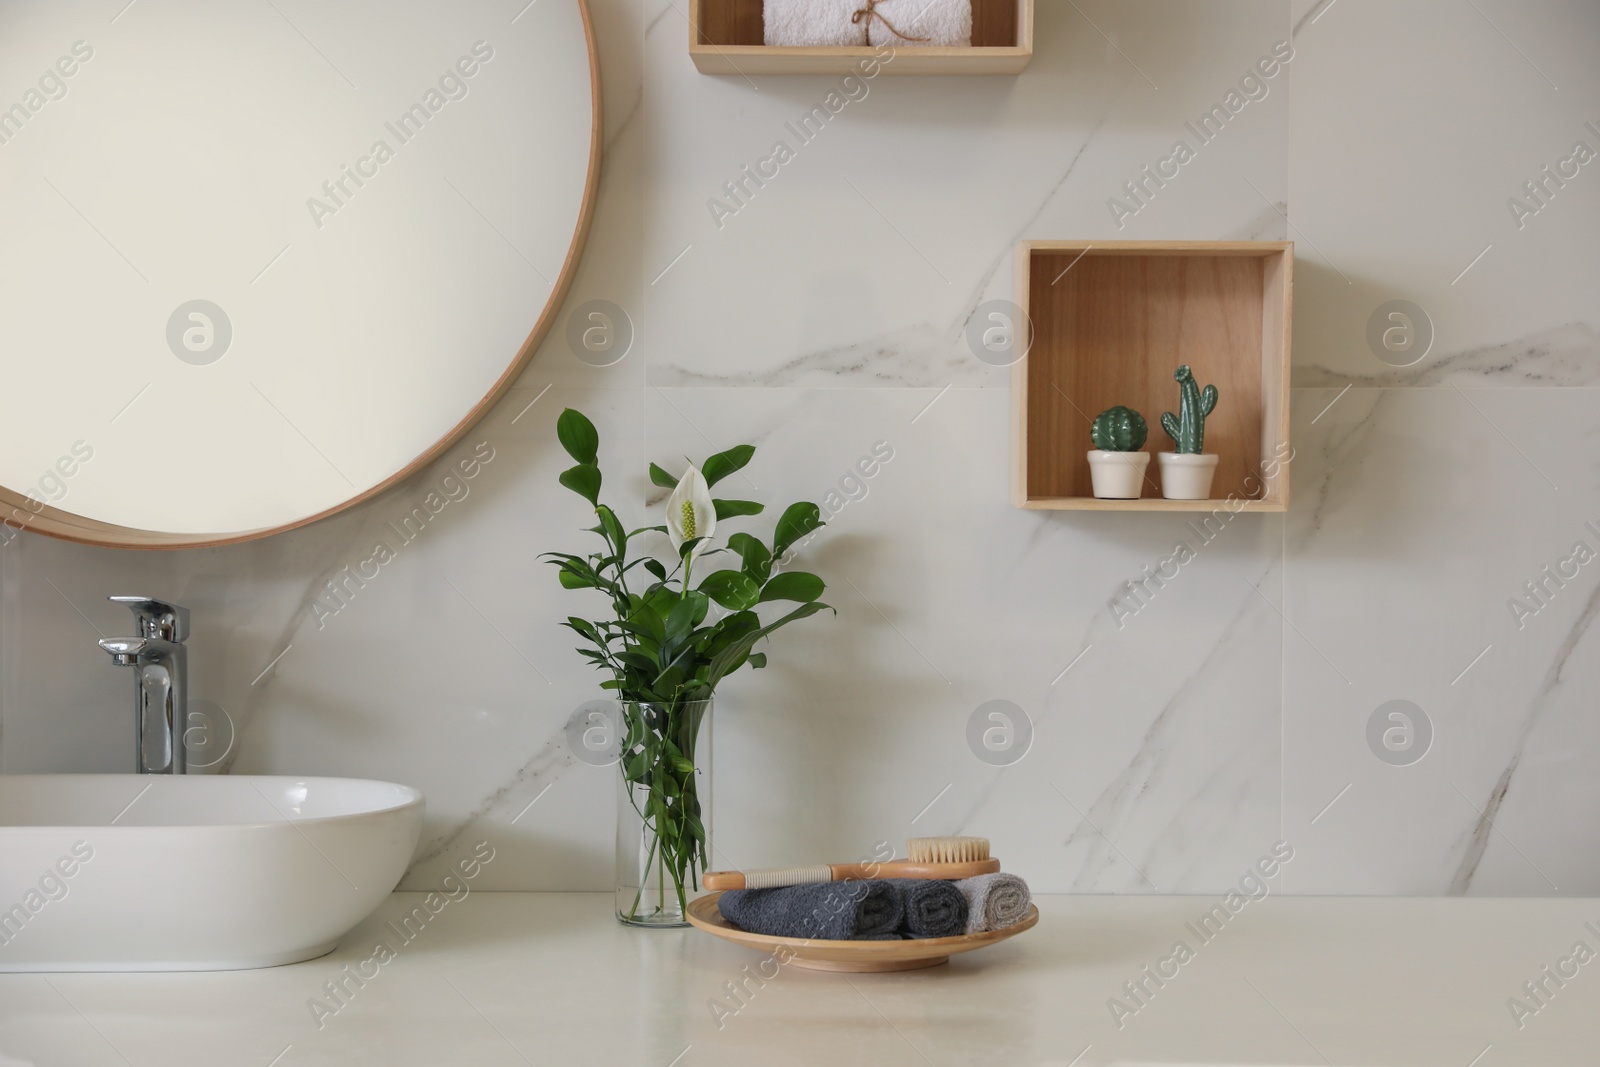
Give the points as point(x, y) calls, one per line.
point(1119, 429)
point(1188, 428)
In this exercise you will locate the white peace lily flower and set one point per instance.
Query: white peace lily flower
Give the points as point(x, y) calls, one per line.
point(690, 512)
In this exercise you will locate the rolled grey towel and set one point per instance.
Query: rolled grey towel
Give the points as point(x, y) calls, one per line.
point(932, 908)
point(994, 901)
point(828, 911)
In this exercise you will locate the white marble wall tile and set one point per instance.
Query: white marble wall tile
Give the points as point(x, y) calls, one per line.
point(1414, 127)
point(1421, 512)
point(1422, 515)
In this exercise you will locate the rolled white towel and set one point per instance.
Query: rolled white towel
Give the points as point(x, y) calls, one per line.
point(924, 23)
point(899, 23)
point(812, 22)
point(994, 901)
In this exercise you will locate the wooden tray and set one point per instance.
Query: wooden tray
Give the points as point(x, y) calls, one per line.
point(859, 956)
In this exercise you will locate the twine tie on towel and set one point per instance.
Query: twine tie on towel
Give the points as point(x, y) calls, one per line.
point(870, 12)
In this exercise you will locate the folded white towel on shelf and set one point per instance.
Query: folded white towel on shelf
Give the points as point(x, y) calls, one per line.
point(812, 22)
point(898, 23)
point(928, 23)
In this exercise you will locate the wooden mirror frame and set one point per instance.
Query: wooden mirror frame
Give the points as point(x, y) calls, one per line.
point(67, 526)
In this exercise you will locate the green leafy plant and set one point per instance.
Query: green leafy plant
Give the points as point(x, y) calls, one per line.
point(1188, 428)
point(663, 656)
point(1119, 429)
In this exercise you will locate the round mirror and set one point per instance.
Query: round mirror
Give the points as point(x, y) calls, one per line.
point(259, 261)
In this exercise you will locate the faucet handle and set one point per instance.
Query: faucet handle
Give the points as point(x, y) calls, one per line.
point(158, 618)
point(124, 650)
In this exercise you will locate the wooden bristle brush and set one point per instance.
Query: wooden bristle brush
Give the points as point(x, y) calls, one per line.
point(943, 858)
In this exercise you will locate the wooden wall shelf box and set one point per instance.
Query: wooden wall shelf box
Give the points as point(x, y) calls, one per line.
point(1111, 321)
point(725, 37)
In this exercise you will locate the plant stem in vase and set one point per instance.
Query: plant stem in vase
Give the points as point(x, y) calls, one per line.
point(663, 810)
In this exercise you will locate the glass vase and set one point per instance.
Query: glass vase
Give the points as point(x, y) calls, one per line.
point(663, 810)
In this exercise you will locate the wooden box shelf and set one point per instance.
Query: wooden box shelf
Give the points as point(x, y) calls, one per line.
point(725, 37)
point(1111, 321)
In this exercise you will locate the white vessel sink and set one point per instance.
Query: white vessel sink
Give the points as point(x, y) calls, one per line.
point(126, 872)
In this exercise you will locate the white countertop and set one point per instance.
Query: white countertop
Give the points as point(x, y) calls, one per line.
point(547, 978)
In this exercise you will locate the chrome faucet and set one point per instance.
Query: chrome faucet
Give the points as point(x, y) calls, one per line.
point(161, 681)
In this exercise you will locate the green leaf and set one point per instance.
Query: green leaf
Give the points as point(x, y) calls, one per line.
point(732, 627)
point(654, 567)
point(723, 464)
point(584, 479)
point(586, 628)
point(736, 652)
point(638, 661)
point(671, 676)
point(647, 615)
point(727, 509)
point(792, 585)
point(683, 617)
point(612, 528)
point(662, 600)
point(677, 759)
point(578, 436)
point(758, 659)
point(662, 478)
point(757, 560)
point(799, 520)
point(732, 589)
point(572, 579)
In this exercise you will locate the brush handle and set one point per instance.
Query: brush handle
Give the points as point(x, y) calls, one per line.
point(771, 878)
point(774, 878)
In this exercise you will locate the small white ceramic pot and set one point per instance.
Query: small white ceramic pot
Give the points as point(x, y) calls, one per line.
point(1187, 476)
point(1117, 475)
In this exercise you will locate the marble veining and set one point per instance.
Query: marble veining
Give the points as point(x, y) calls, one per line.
point(901, 358)
point(1219, 792)
point(1565, 355)
point(1478, 839)
point(436, 852)
point(1348, 444)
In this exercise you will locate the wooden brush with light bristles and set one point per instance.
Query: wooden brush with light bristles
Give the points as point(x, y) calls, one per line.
point(930, 858)
point(950, 850)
